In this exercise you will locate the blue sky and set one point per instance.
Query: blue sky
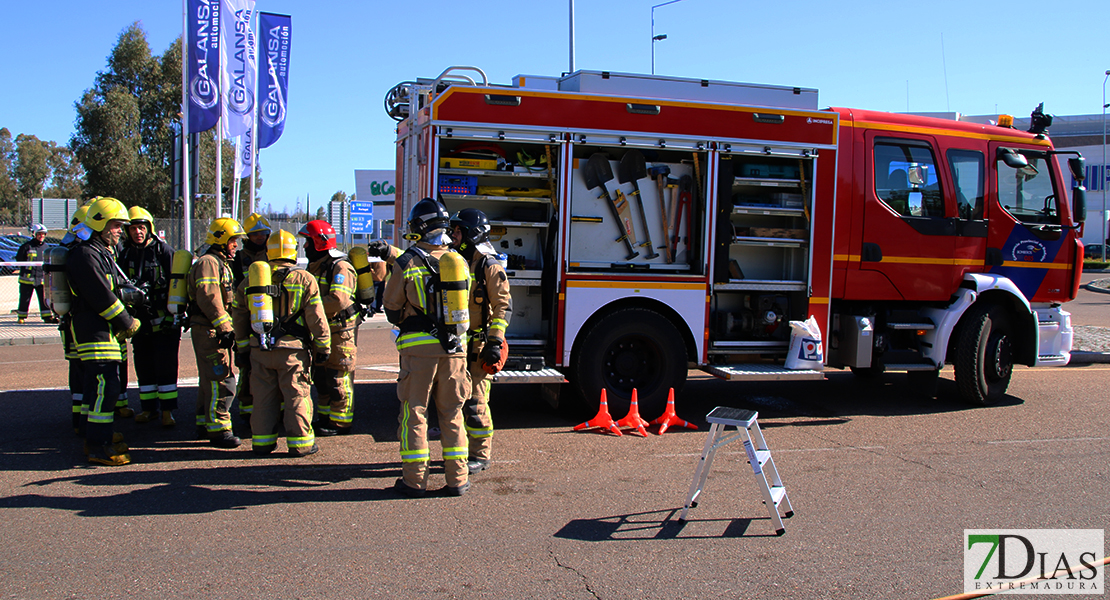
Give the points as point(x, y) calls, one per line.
point(969, 57)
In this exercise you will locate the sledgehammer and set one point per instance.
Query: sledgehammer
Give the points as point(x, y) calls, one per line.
point(659, 174)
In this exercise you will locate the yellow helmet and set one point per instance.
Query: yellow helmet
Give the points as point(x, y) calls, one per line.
point(256, 223)
point(78, 216)
point(281, 245)
point(223, 229)
point(139, 214)
point(103, 210)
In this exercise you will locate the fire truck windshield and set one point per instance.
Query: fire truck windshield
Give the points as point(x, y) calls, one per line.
point(1027, 192)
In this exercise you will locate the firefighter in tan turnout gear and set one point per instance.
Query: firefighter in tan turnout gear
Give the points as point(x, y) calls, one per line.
point(431, 349)
point(210, 293)
point(280, 322)
point(491, 307)
point(253, 250)
point(336, 278)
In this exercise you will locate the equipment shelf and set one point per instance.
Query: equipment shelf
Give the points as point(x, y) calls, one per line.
point(484, 173)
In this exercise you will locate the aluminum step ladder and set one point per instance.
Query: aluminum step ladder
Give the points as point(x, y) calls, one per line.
point(759, 457)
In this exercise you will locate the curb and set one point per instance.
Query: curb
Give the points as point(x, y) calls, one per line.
point(1090, 287)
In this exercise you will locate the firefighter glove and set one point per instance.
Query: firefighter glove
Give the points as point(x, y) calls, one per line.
point(225, 339)
point(378, 248)
point(321, 358)
point(130, 331)
point(493, 355)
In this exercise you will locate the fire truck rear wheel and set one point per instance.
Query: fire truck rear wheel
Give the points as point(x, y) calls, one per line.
point(631, 348)
point(984, 360)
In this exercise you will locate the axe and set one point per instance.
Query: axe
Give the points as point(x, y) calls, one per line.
point(659, 173)
point(631, 169)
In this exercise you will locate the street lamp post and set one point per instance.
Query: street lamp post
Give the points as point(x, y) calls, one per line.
point(657, 38)
point(1102, 169)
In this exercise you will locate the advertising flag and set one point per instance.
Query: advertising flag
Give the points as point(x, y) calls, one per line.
point(273, 85)
point(244, 154)
point(239, 66)
point(203, 63)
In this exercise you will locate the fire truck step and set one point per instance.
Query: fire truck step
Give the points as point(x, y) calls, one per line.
point(759, 372)
point(926, 325)
point(908, 367)
point(759, 457)
point(540, 376)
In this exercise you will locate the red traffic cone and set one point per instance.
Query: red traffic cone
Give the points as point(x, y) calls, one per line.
point(633, 419)
point(602, 419)
point(670, 418)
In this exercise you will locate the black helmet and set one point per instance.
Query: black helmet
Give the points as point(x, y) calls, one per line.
point(426, 217)
point(474, 225)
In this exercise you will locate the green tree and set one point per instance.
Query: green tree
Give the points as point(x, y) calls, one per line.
point(9, 194)
point(32, 169)
point(67, 177)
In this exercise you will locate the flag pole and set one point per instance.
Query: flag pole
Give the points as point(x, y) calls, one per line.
point(186, 204)
point(254, 118)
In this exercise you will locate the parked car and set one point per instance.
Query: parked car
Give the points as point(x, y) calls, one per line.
point(1093, 251)
point(8, 255)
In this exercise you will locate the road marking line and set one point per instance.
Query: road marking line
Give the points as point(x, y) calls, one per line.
point(778, 451)
point(1081, 439)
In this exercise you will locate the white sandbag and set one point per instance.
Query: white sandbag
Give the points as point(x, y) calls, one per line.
point(805, 351)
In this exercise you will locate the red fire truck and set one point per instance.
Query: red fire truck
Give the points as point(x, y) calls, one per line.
point(653, 224)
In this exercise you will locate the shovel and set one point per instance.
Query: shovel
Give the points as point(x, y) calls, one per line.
point(631, 169)
point(596, 173)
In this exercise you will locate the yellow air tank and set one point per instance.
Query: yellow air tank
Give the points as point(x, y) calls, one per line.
point(178, 297)
point(364, 284)
point(454, 278)
point(61, 298)
point(261, 303)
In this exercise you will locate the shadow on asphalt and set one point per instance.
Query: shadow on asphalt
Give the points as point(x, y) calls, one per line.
point(660, 525)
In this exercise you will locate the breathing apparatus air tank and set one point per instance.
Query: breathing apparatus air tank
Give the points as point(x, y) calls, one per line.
point(261, 303)
point(455, 285)
point(364, 283)
point(61, 298)
point(178, 297)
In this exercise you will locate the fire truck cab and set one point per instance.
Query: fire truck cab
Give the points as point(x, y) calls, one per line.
point(652, 224)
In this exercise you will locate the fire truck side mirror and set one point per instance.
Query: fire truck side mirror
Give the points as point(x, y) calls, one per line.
point(1013, 158)
point(1079, 203)
point(1078, 193)
point(1078, 168)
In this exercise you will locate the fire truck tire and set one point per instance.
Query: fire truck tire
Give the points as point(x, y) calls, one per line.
point(631, 348)
point(984, 359)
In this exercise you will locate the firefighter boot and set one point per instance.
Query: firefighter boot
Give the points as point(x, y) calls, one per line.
point(167, 419)
point(225, 439)
point(124, 412)
point(146, 416)
point(458, 490)
point(476, 465)
point(325, 428)
point(107, 454)
point(404, 489)
point(299, 452)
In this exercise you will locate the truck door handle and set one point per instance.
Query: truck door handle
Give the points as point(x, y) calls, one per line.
point(871, 253)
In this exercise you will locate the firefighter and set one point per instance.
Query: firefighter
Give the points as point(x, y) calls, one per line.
point(80, 410)
point(147, 260)
point(280, 343)
point(100, 322)
point(428, 356)
point(210, 294)
point(491, 307)
point(31, 278)
point(336, 279)
point(254, 249)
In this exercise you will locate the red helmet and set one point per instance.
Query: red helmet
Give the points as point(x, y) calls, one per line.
point(321, 233)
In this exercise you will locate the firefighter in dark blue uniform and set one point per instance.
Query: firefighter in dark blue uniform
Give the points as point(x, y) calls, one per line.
point(100, 322)
point(146, 260)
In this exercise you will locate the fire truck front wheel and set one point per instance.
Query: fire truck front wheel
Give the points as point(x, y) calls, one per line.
point(984, 358)
point(631, 348)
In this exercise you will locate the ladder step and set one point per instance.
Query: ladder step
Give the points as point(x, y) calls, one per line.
point(777, 494)
point(908, 367)
point(737, 417)
point(762, 456)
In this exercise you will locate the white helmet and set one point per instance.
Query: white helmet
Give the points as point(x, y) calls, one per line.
point(37, 228)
